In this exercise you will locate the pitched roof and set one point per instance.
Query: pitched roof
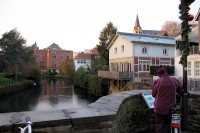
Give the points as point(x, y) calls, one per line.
point(94, 51)
point(150, 32)
point(141, 38)
point(86, 56)
point(52, 46)
point(193, 36)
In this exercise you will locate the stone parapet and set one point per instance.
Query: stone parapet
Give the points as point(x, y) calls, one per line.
point(98, 117)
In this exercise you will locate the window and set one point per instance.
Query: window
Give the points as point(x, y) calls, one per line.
point(53, 57)
point(42, 64)
point(41, 56)
point(53, 64)
point(144, 50)
point(61, 57)
point(165, 63)
point(197, 68)
point(54, 50)
point(78, 61)
point(189, 69)
point(115, 50)
point(165, 51)
point(122, 48)
point(84, 61)
point(144, 66)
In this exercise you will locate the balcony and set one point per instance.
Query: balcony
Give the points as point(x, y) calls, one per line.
point(193, 50)
point(125, 75)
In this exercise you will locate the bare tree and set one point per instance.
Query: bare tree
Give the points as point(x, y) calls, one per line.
point(171, 27)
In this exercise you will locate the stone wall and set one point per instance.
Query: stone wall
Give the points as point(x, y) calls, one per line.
point(122, 112)
point(133, 116)
point(194, 114)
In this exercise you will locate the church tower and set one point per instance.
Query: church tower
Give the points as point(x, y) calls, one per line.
point(137, 29)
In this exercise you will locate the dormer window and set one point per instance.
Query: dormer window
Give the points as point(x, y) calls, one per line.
point(165, 51)
point(144, 50)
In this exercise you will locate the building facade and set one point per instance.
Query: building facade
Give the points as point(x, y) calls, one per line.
point(51, 57)
point(132, 54)
point(193, 59)
point(137, 52)
point(85, 59)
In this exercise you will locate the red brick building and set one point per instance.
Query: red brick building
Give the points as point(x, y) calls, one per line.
point(51, 57)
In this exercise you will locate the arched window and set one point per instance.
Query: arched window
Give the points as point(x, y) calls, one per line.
point(144, 50)
point(165, 51)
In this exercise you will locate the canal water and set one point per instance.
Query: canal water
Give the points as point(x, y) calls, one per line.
point(51, 94)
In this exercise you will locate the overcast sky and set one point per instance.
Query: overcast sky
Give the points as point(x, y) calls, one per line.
point(76, 24)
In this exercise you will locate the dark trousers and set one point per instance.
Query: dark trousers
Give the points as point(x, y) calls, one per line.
point(163, 123)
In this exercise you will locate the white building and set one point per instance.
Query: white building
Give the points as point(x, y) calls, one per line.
point(85, 59)
point(193, 64)
point(137, 52)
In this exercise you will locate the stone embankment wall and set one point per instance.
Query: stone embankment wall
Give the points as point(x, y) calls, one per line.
point(116, 113)
point(194, 113)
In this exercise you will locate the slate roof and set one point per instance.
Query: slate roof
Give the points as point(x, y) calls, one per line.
point(52, 46)
point(150, 32)
point(147, 38)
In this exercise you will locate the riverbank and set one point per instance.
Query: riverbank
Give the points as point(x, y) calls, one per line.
point(11, 88)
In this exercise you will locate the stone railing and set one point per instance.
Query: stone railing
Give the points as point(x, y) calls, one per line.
point(102, 116)
point(193, 85)
point(116, 75)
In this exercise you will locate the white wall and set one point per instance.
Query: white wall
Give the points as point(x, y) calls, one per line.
point(85, 65)
point(154, 50)
point(128, 48)
point(178, 67)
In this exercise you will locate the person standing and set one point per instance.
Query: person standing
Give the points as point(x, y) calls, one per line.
point(164, 91)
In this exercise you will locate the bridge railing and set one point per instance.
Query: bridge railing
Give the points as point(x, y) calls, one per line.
point(193, 84)
point(116, 75)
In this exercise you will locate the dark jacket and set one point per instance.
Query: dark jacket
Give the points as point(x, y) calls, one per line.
point(164, 91)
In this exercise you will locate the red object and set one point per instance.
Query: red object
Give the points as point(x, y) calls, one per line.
point(190, 17)
point(189, 1)
point(175, 125)
point(164, 91)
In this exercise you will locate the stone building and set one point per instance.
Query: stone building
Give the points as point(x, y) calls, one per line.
point(193, 64)
point(51, 57)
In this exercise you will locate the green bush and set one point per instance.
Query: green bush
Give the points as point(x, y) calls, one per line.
point(132, 116)
point(95, 85)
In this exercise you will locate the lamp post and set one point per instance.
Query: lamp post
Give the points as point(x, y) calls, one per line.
point(184, 47)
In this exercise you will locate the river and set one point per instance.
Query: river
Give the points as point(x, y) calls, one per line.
point(51, 94)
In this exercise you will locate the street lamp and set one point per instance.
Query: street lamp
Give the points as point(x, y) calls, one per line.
point(184, 47)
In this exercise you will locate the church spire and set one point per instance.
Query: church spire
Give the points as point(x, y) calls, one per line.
point(137, 29)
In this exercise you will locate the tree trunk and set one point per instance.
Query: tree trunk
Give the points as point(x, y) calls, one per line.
point(16, 71)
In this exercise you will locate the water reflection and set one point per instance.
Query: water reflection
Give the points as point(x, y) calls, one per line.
point(51, 94)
